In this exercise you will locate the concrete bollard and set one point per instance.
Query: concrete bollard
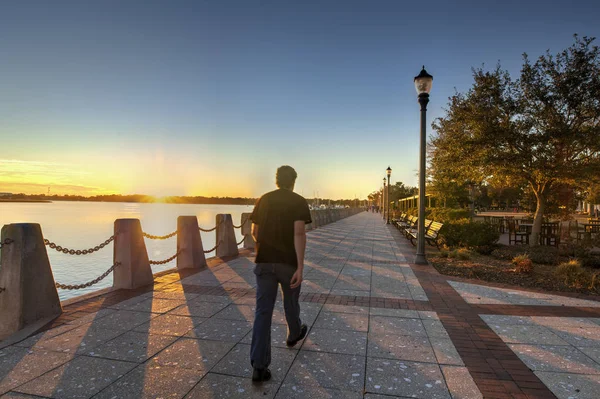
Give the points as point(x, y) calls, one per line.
point(247, 231)
point(189, 244)
point(28, 292)
point(227, 245)
point(313, 216)
point(130, 250)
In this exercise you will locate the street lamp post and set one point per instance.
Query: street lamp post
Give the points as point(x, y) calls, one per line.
point(383, 200)
point(423, 85)
point(389, 173)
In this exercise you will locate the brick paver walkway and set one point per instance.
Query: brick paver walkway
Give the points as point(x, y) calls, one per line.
point(380, 327)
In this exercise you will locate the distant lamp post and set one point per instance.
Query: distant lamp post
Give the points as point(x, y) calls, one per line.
point(472, 185)
point(383, 200)
point(389, 173)
point(423, 83)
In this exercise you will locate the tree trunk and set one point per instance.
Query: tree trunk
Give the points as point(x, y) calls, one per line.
point(534, 240)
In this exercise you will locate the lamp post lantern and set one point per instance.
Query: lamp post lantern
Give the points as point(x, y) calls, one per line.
point(389, 173)
point(423, 83)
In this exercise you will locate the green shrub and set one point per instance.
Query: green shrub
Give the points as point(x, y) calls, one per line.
point(506, 252)
point(445, 215)
point(444, 253)
point(523, 264)
point(468, 234)
point(460, 253)
point(573, 274)
point(543, 254)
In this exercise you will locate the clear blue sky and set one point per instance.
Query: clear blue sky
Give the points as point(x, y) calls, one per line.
point(209, 97)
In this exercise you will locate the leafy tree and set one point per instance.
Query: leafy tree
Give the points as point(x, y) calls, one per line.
point(542, 129)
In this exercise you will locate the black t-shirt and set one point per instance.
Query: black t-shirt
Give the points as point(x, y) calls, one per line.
point(275, 214)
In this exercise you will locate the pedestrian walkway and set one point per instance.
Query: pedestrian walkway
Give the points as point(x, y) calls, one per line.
point(379, 328)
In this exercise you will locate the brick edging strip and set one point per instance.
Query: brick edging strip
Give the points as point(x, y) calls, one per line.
point(496, 369)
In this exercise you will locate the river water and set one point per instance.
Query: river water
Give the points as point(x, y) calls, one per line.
point(83, 225)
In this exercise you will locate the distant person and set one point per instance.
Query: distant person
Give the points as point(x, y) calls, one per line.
point(278, 227)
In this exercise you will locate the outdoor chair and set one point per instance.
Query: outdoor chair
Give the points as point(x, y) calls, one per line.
point(550, 234)
point(515, 235)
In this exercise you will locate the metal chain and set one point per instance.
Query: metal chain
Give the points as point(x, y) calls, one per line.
point(6, 242)
point(241, 242)
point(150, 236)
point(88, 284)
point(162, 262)
point(213, 248)
point(78, 252)
point(213, 229)
point(240, 226)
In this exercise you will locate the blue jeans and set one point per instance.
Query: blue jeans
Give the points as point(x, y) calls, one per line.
point(268, 277)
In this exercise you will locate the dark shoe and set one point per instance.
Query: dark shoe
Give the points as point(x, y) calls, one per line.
point(303, 331)
point(260, 375)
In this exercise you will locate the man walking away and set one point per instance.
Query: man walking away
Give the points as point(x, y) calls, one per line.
point(278, 227)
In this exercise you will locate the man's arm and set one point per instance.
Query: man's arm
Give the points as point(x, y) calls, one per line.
point(300, 247)
point(255, 232)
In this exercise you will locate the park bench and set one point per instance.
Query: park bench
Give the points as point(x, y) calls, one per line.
point(401, 221)
point(432, 233)
point(410, 226)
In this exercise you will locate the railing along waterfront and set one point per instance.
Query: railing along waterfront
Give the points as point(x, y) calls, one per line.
point(28, 290)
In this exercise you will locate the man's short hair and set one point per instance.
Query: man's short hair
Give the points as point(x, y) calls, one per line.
point(285, 177)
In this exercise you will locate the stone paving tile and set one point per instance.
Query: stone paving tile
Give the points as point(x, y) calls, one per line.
point(516, 297)
point(328, 370)
point(83, 377)
point(237, 312)
point(221, 330)
point(498, 320)
point(200, 309)
point(289, 391)
point(460, 383)
point(336, 341)
point(78, 340)
point(351, 284)
point(90, 318)
point(178, 296)
point(566, 359)
point(132, 347)
point(350, 292)
point(200, 299)
point(397, 325)
point(569, 322)
point(400, 347)
point(278, 337)
point(435, 329)
point(196, 354)
point(19, 365)
point(124, 320)
point(150, 381)
point(591, 352)
point(17, 395)
point(169, 324)
point(342, 321)
point(217, 386)
point(578, 336)
point(571, 386)
point(525, 334)
point(329, 307)
point(156, 305)
point(126, 304)
point(445, 351)
point(401, 378)
point(411, 314)
point(428, 315)
point(39, 338)
point(237, 362)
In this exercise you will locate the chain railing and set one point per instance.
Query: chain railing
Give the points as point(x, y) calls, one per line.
point(88, 284)
point(213, 248)
point(213, 229)
point(162, 262)
point(77, 251)
point(150, 236)
point(240, 226)
point(6, 241)
point(241, 242)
